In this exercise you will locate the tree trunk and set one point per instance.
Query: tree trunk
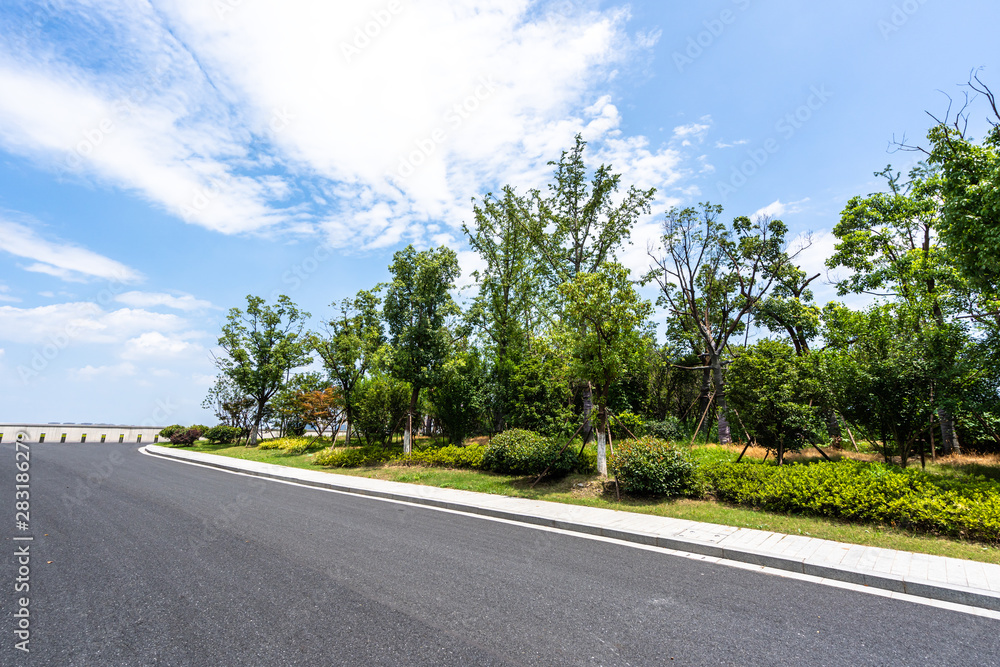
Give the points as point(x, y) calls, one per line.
point(408, 431)
point(721, 406)
point(949, 443)
point(833, 426)
point(706, 388)
point(588, 408)
point(602, 430)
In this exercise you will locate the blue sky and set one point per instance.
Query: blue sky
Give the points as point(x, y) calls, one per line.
point(160, 161)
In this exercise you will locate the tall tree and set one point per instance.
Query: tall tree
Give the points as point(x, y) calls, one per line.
point(889, 241)
point(581, 224)
point(711, 276)
point(611, 334)
point(261, 345)
point(417, 307)
point(355, 342)
point(506, 310)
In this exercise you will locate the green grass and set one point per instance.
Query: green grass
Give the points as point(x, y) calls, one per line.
point(587, 490)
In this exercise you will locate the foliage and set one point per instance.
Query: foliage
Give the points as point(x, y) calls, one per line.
point(322, 409)
point(649, 466)
point(521, 452)
point(669, 428)
point(222, 434)
point(169, 431)
point(231, 406)
point(542, 396)
point(380, 408)
point(417, 307)
point(778, 395)
point(711, 277)
point(870, 492)
point(627, 425)
point(186, 436)
point(260, 347)
point(291, 444)
point(355, 345)
point(470, 456)
point(459, 397)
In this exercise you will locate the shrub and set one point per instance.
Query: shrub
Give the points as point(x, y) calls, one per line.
point(625, 424)
point(169, 431)
point(670, 429)
point(520, 452)
point(869, 492)
point(650, 466)
point(450, 456)
point(380, 403)
point(222, 434)
point(186, 437)
point(354, 457)
point(290, 444)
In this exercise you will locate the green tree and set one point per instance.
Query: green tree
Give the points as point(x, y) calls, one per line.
point(778, 394)
point(970, 196)
point(380, 407)
point(261, 345)
point(506, 310)
point(889, 242)
point(610, 334)
point(459, 395)
point(354, 344)
point(582, 223)
point(417, 307)
point(712, 276)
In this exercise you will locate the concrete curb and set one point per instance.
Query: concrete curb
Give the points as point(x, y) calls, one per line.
point(675, 534)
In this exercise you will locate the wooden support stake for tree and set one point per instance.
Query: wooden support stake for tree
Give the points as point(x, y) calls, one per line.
point(546, 471)
point(703, 415)
point(740, 457)
point(821, 452)
point(930, 430)
point(850, 434)
point(987, 426)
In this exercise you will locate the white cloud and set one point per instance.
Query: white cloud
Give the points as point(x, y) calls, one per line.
point(89, 372)
point(81, 322)
point(776, 209)
point(180, 301)
point(259, 117)
point(155, 344)
point(60, 258)
point(4, 296)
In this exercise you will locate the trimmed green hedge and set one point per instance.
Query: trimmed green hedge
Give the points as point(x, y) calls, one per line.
point(650, 466)
point(867, 492)
point(520, 452)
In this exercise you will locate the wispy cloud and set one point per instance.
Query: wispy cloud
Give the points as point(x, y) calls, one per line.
point(184, 302)
point(256, 119)
point(59, 258)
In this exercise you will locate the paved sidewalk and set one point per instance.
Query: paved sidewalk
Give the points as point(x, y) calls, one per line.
point(897, 572)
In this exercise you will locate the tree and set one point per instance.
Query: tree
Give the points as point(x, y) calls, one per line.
point(778, 393)
point(322, 409)
point(354, 344)
point(231, 406)
point(506, 309)
point(458, 397)
point(380, 407)
point(417, 307)
point(611, 334)
point(261, 346)
point(286, 408)
point(712, 276)
point(970, 195)
point(889, 242)
point(581, 225)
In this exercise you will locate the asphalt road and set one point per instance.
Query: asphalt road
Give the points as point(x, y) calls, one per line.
point(141, 561)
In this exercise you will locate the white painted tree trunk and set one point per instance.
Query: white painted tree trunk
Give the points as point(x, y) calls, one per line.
point(602, 453)
point(407, 434)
